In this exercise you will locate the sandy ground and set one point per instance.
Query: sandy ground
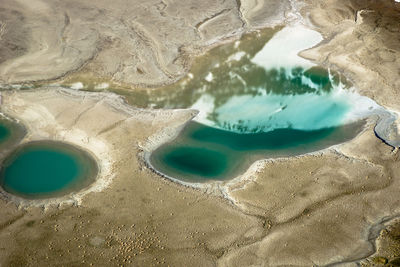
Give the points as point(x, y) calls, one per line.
point(362, 40)
point(139, 218)
point(132, 42)
point(388, 246)
point(317, 209)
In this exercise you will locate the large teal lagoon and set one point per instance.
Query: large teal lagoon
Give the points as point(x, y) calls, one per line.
point(47, 169)
point(257, 98)
point(201, 153)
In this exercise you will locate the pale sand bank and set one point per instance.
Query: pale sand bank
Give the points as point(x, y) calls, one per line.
point(140, 213)
point(310, 210)
point(131, 42)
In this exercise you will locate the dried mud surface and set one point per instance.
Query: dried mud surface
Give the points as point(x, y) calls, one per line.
point(319, 209)
point(136, 43)
point(139, 219)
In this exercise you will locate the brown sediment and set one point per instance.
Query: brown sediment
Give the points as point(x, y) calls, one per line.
point(361, 40)
point(133, 43)
point(139, 218)
point(310, 210)
point(388, 245)
point(310, 223)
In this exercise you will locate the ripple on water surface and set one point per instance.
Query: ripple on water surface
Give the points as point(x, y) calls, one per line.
point(47, 169)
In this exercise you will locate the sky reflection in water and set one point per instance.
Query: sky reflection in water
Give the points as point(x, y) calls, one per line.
point(254, 104)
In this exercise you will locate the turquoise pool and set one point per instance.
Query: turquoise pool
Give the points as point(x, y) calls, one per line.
point(256, 102)
point(47, 169)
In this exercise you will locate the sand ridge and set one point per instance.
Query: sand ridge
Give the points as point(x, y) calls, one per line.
point(131, 42)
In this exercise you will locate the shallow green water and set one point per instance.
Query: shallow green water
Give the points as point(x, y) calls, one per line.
point(10, 133)
point(202, 153)
point(199, 160)
point(47, 169)
point(253, 104)
point(4, 133)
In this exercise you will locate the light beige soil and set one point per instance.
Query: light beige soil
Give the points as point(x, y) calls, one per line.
point(362, 41)
point(131, 42)
point(139, 218)
point(388, 246)
point(312, 210)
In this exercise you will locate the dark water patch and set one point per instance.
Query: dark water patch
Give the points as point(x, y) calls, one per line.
point(253, 103)
point(187, 159)
point(11, 133)
point(4, 133)
point(46, 169)
point(201, 153)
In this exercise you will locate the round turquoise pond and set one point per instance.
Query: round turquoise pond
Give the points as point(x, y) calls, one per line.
point(47, 169)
